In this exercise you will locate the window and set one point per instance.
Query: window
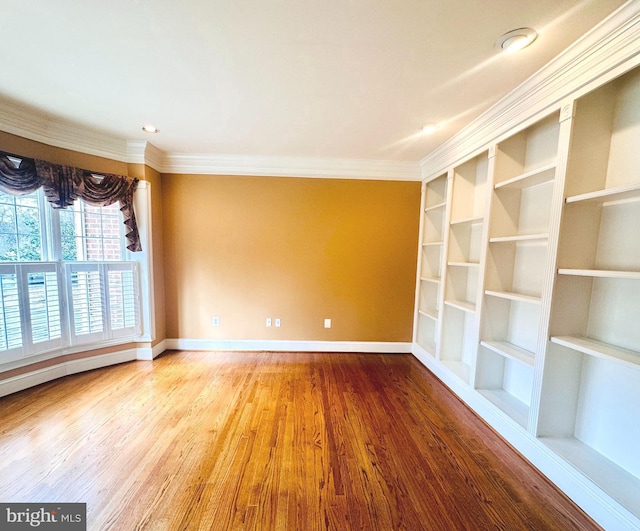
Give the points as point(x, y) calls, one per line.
point(20, 227)
point(63, 278)
point(91, 233)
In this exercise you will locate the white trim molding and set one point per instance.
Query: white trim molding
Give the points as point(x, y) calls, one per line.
point(149, 353)
point(65, 368)
point(27, 123)
point(607, 51)
point(143, 152)
point(254, 345)
point(30, 124)
point(290, 167)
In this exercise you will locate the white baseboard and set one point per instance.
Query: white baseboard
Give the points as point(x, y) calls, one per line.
point(289, 346)
point(605, 510)
point(65, 368)
point(159, 349)
point(151, 353)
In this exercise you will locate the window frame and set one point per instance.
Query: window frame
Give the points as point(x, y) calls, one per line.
point(129, 286)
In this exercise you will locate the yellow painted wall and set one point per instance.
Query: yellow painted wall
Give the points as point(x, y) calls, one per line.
point(247, 248)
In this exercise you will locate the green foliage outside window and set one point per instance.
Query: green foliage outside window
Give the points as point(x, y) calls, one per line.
point(20, 231)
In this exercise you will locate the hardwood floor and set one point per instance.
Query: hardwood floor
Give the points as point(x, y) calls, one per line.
point(203, 440)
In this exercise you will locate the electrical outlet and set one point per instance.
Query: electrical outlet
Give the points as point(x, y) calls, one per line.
point(327, 323)
point(215, 321)
point(268, 322)
point(277, 323)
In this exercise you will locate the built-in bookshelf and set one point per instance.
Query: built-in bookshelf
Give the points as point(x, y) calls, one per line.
point(431, 257)
point(591, 385)
point(462, 280)
point(518, 244)
point(538, 290)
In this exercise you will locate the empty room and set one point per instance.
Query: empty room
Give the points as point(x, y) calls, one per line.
point(301, 265)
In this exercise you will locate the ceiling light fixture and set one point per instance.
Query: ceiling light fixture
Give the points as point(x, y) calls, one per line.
point(150, 129)
point(430, 127)
point(516, 39)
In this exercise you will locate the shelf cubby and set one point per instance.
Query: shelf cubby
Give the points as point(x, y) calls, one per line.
point(469, 190)
point(504, 376)
point(427, 332)
point(600, 313)
point(510, 328)
point(436, 193)
point(516, 266)
point(433, 225)
point(459, 340)
point(428, 298)
point(463, 262)
point(598, 236)
point(604, 157)
point(462, 284)
point(521, 211)
point(528, 158)
point(465, 241)
point(431, 262)
point(587, 416)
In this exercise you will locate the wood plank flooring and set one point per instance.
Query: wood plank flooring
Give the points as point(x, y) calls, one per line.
point(269, 441)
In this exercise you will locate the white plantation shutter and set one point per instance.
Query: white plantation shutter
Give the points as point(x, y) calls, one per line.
point(10, 322)
point(86, 297)
point(122, 298)
point(104, 300)
point(42, 281)
point(31, 319)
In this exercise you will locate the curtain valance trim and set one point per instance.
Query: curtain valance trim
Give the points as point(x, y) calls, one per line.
point(64, 184)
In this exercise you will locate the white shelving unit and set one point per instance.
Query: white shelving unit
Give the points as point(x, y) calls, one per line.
point(538, 316)
point(591, 385)
point(431, 257)
point(518, 243)
point(462, 280)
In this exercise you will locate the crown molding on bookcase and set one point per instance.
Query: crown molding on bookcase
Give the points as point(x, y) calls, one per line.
point(608, 50)
point(290, 167)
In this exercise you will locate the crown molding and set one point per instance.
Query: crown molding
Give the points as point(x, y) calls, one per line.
point(20, 121)
point(143, 152)
point(29, 124)
point(290, 167)
point(607, 51)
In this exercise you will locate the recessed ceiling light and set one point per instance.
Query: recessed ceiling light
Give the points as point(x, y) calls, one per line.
point(150, 129)
point(516, 39)
point(430, 127)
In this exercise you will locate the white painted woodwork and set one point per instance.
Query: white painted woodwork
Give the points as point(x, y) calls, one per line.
point(432, 237)
point(540, 315)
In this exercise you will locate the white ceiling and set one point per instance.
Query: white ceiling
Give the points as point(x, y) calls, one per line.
point(352, 79)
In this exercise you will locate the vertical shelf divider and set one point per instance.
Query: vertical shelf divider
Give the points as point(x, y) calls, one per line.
point(555, 217)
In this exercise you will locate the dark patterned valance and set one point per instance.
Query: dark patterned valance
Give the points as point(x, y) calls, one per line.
point(64, 184)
